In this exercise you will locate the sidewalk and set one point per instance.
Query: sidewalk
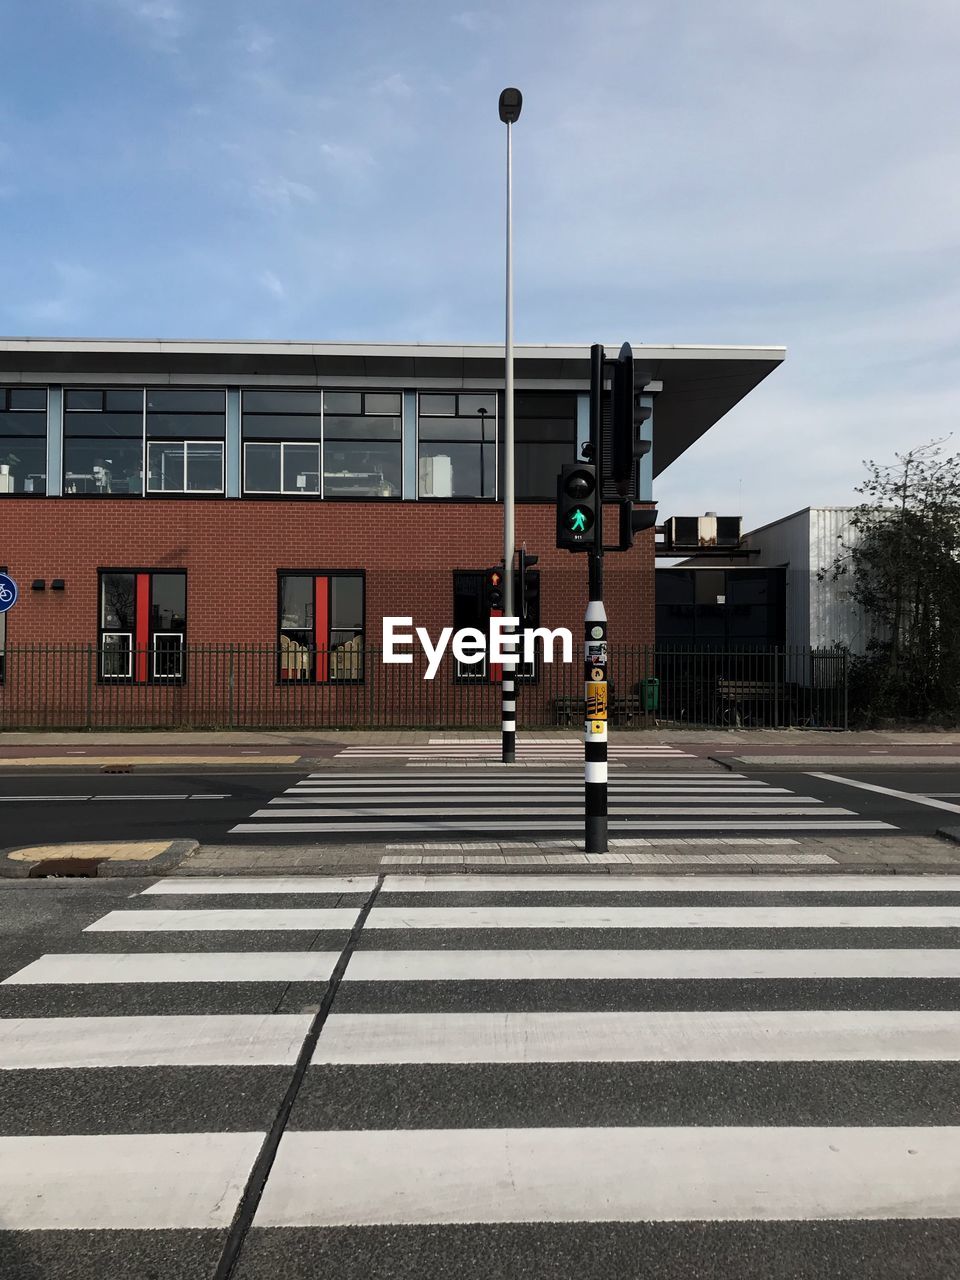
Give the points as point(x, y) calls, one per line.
point(306, 748)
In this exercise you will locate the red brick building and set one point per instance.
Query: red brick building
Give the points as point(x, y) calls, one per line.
point(215, 530)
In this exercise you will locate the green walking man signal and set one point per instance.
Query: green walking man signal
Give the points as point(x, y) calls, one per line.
point(578, 520)
point(576, 506)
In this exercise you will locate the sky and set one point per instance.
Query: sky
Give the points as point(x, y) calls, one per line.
point(700, 171)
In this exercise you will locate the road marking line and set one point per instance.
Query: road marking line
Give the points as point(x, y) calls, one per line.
point(360, 1178)
point(212, 919)
point(671, 884)
point(426, 810)
point(587, 962)
point(693, 917)
point(177, 966)
point(184, 886)
point(888, 791)
point(712, 1036)
point(518, 824)
point(122, 1181)
point(175, 1040)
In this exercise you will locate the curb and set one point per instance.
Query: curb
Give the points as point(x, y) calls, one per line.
point(704, 870)
point(74, 864)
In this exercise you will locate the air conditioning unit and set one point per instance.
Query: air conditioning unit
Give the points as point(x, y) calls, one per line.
point(690, 533)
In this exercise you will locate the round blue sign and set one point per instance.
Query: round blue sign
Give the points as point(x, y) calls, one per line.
point(8, 593)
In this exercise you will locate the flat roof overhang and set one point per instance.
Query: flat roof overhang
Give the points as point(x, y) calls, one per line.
point(699, 384)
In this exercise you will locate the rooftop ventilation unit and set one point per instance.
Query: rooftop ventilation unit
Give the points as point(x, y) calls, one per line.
point(690, 533)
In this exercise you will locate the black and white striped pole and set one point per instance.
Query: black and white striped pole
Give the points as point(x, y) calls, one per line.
point(511, 100)
point(595, 641)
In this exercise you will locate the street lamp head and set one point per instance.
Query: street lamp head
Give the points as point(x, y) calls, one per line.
point(511, 100)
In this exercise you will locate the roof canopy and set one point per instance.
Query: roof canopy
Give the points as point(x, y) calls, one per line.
point(697, 385)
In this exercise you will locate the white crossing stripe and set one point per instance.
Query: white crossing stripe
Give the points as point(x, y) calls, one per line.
point(213, 919)
point(188, 1040)
point(845, 917)
point(439, 822)
point(713, 1036)
point(124, 967)
point(428, 809)
point(589, 963)
point(184, 886)
point(156, 1181)
point(889, 791)
point(351, 1178)
point(671, 884)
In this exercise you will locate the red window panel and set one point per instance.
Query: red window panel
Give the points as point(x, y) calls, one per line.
point(321, 613)
point(142, 638)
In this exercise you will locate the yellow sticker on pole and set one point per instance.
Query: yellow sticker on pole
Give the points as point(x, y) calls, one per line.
point(597, 701)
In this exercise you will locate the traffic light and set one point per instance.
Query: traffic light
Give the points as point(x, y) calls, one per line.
point(529, 579)
point(493, 590)
point(634, 520)
point(629, 415)
point(576, 506)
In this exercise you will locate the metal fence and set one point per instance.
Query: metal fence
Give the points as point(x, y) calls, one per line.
point(257, 687)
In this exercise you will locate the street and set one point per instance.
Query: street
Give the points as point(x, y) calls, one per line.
point(476, 1076)
point(410, 802)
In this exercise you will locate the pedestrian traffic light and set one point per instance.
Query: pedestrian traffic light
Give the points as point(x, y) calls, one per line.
point(493, 590)
point(576, 506)
point(529, 588)
point(629, 415)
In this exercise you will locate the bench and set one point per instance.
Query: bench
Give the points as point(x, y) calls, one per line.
point(734, 695)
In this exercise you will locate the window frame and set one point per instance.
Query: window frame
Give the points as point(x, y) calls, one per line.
point(281, 492)
point(41, 413)
point(142, 658)
point(494, 497)
point(186, 490)
point(319, 673)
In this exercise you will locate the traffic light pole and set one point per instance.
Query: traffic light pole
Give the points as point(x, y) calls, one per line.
point(595, 642)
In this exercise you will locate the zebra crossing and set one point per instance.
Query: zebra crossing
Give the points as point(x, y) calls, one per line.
point(536, 752)
point(546, 806)
point(464, 1066)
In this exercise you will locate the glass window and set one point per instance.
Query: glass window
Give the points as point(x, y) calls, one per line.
point(185, 432)
point(204, 466)
point(320, 631)
point(194, 466)
point(143, 625)
point(362, 445)
point(165, 468)
point(546, 438)
point(457, 446)
point(261, 468)
point(103, 442)
point(301, 468)
point(283, 402)
point(23, 440)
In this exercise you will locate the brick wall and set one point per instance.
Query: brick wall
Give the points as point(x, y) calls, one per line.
point(231, 551)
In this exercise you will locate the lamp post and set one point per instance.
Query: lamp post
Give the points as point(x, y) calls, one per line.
point(511, 100)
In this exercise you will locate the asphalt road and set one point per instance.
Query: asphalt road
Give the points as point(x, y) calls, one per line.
point(206, 805)
point(637, 1089)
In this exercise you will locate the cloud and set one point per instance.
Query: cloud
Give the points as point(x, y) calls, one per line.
point(469, 19)
point(394, 87)
point(161, 22)
point(283, 193)
point(272, 284)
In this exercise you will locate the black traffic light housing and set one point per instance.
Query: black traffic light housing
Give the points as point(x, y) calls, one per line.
point(493, 589)
point(629, 415)
point(577, 506)
point(529, 582)
point(634, 520)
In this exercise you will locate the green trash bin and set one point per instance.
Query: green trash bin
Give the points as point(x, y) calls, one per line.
point(649, 691)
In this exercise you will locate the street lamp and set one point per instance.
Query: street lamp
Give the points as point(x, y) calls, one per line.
point(511, 100)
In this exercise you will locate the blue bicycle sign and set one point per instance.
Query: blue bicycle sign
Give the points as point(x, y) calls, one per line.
point(8, 593)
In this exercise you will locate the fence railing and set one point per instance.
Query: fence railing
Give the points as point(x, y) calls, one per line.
point(252, 687)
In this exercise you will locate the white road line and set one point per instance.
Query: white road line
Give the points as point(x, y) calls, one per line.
point(587, 962)
point(658, 810)
point(444, 790)
point(361, 1178)
point(44, 799)
point(552, 776)
point(213, 919)
point(178, 966)
point(370, 826)
point(226, 1039)
point(670, 884)
point(122, 1181)
point(693, 917)
point(888, 791)
point(736, 1036)
point(183, 886)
